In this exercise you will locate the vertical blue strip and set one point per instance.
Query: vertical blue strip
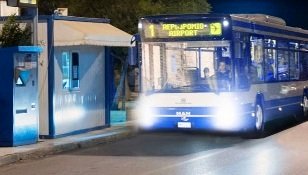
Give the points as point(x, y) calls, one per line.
point(233, 62)
point(108, 84)
point(139, 59)
point(199, 60)
point(50, 29)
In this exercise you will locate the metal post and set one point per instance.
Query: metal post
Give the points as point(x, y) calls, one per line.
point(35, 26)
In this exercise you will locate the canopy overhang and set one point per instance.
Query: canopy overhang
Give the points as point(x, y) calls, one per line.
point(72, 33)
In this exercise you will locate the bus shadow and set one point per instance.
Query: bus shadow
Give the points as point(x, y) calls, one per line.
point(279, 125)
point(163, 144)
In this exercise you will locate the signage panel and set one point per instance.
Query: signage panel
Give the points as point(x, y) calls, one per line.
point(182, 30)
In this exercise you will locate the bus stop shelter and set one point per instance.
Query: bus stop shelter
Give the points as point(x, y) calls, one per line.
point(76, 73)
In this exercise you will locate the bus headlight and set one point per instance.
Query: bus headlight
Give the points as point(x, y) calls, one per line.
point(227, 116)
point(145, 115)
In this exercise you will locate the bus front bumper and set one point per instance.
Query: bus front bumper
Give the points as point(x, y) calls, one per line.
point(241, 123)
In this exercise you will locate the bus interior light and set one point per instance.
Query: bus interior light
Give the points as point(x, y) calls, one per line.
point(225, 23)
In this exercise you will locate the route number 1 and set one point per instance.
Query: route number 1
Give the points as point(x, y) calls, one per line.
point(152, 33)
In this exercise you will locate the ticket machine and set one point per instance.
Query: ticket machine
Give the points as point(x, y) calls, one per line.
point(19, 95)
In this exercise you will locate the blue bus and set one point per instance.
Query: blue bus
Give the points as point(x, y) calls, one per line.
point(221, 72)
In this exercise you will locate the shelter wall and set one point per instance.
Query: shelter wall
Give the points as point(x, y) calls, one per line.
point(83, 108)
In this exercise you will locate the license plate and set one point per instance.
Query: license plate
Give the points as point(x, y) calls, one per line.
point(184, 125)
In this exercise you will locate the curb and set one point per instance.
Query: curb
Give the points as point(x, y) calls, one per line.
point(41, 152)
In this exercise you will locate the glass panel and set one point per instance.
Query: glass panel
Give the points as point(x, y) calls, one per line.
point(65, 70)
point(303, 47)
point(241, 56)
point(282, 44)
point(269, 43)
point(293, 45)
point(304, 65)
point(186, 66)
point(75, 70)
point(283, 65)
point(256, 67)
point(270, 64)
point(294, 65)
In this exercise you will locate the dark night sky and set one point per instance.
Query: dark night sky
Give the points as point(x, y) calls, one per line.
point(294, 12)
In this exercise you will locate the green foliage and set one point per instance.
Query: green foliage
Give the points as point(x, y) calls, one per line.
point(13, 35)
point(47, 7)
point(124, 14)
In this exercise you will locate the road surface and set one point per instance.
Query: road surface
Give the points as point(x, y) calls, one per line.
point(285, 152)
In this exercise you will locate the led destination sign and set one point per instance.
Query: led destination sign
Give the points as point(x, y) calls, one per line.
point(181, 30)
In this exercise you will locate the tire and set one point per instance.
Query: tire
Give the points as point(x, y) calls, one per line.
point(259, 122)
point(258, 128)
point(305, 107)
point(302, 115)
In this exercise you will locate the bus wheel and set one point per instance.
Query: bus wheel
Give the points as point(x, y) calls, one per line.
point(259, 124)
point(258, 128)
point(305, 106)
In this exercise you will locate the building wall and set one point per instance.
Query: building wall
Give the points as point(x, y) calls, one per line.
point(76, 110)
point(7, 11)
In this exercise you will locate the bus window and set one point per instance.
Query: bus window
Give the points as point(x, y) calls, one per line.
point(241, 55)
point(283, 65)
point(270, 60)
point(294, 65)
point(294, 60)
point(270, 43)
point(256, 68)
point(270, 64)
point(282, 45)
point(304, 65)
point(303, 47)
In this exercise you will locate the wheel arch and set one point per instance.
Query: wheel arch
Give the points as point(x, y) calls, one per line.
point(260, 99)
point(305, 91)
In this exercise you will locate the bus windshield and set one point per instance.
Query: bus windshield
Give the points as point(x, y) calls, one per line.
point(199, 66)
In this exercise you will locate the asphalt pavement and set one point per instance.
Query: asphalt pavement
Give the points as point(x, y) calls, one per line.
point(285, 152)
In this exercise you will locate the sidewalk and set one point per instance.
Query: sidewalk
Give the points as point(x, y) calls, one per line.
point(46, 147)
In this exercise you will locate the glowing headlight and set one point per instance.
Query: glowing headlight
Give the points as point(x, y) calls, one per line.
point(145, 115)
point(227, 116)
point(145, 119)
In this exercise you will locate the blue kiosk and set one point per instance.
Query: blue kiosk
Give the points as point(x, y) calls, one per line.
point(19, 95)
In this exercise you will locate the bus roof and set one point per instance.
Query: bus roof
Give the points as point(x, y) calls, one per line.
point(186, 16)
point(268, 25)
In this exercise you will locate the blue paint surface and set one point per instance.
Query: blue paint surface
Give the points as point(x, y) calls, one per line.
point(167, 117)
point(15, 128)
point(199, 123)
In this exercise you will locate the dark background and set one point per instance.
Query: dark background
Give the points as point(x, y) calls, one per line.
point(294, 12)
